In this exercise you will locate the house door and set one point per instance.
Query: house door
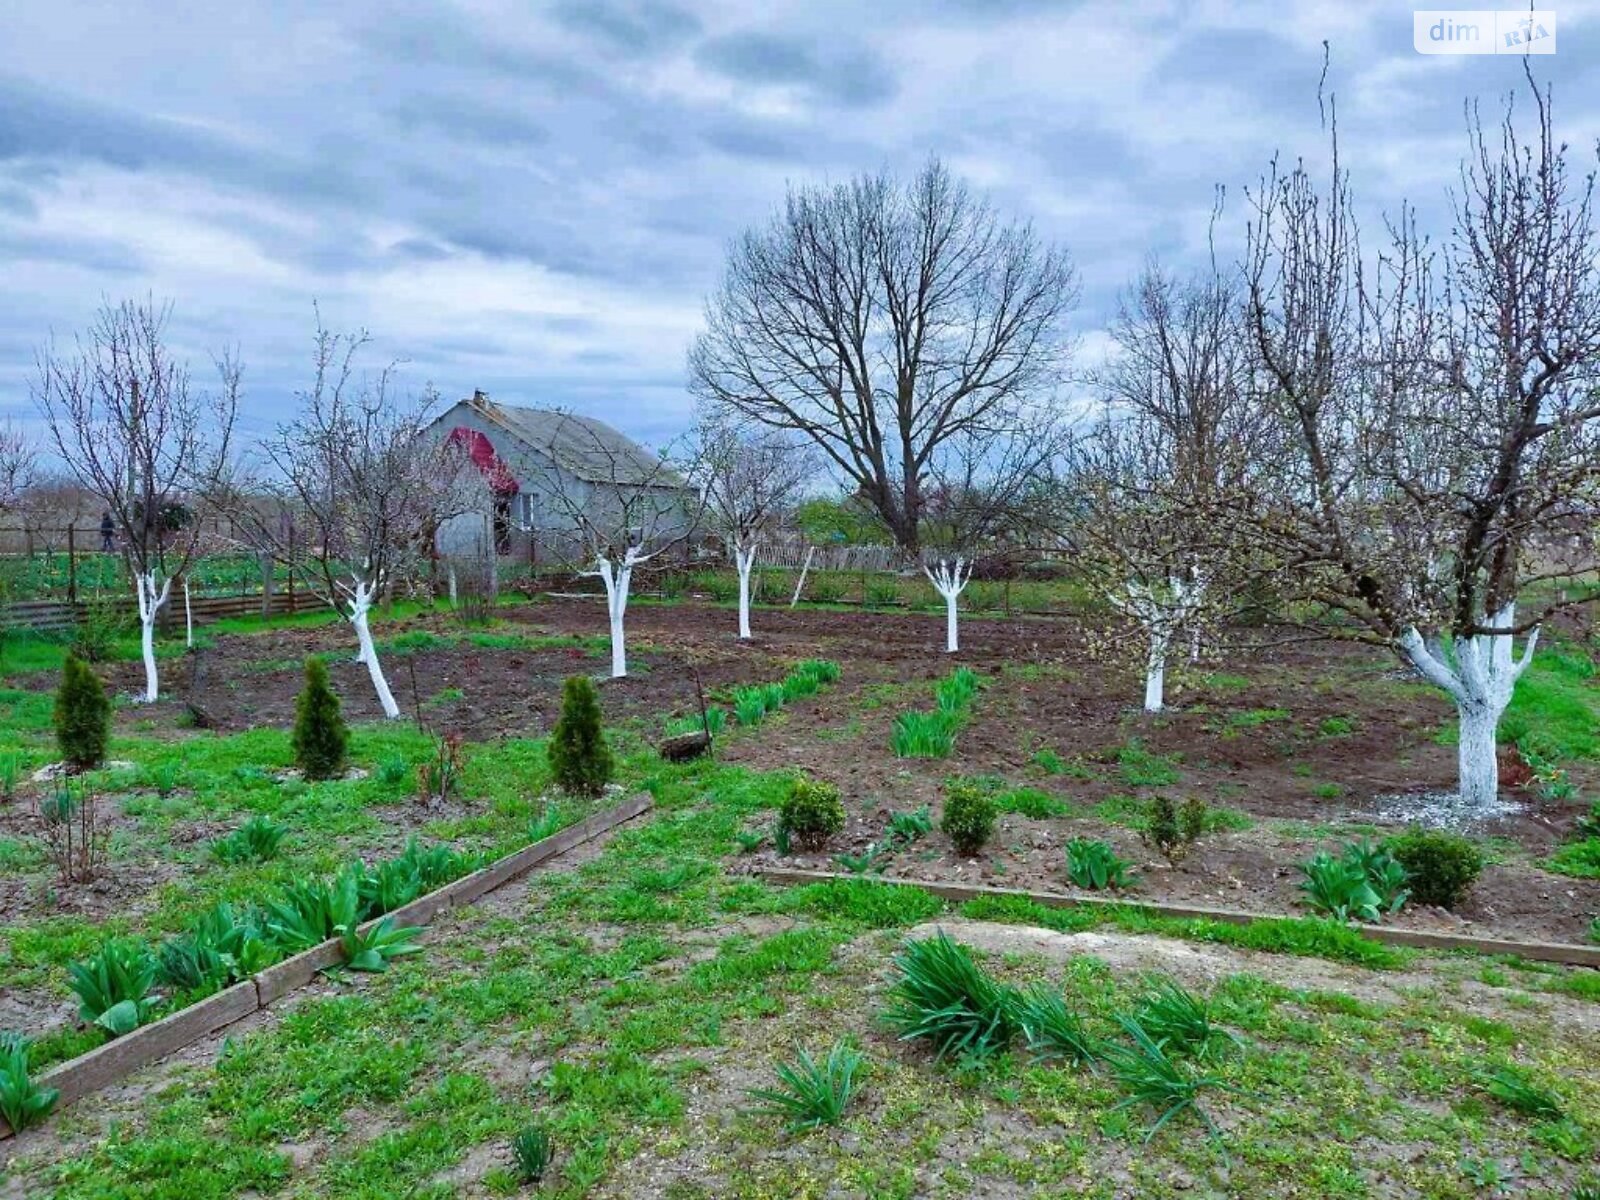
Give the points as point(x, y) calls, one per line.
point(502, 526)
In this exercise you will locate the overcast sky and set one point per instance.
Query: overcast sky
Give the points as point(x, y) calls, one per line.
point(534, 199)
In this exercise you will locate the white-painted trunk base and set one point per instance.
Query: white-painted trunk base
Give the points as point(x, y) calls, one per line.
point(744, 561)
point(949, 579)
point(360, 608)
point(618, 579)
point(150, 600)
point(1481, 681)
point(1155, 677)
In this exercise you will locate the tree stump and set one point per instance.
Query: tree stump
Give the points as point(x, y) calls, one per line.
point(683, 746)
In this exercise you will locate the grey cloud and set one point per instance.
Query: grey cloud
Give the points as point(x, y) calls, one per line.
point(99, 254)
point(636, 28)
point(850, 76)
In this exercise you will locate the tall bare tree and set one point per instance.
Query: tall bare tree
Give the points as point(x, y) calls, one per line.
point(626, 507)
point(1439, 412)
point(750, 479)
point(895, 325)
point(363, 483)
point(122, 414)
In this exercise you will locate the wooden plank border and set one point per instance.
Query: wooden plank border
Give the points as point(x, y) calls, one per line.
point(120, 1057)
point(1551, 952)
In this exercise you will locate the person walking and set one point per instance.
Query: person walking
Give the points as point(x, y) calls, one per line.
point(108, 531)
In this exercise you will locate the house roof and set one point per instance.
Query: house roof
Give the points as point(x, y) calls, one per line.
point(586, 448)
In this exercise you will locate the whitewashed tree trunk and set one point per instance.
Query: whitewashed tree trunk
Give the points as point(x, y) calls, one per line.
point(1155, 672)
point(949, 579)
point(744, 559)
point(1481, 682)
point(1162, 612)
point(618, 578)
point(188, 616)
point(452, 578)
point(360, 607)
point(151, 599)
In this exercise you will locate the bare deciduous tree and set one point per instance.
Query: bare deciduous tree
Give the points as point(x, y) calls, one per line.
point(895, 326)
point(978, 496)
point(626, 507)
point(19, 466)
point(364, 484)
point(750, 478)
point(1439, 413)
point(122, 415)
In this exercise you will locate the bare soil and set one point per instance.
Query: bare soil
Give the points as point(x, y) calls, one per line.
point(1254, 740)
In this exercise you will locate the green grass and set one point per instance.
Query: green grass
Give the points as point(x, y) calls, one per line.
point(607, 1004)
point(1141, 768)
point(634, 979)
point(1556, 706)
point(1580, 859)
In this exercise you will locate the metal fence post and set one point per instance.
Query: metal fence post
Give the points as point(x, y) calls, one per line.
point(72, 564)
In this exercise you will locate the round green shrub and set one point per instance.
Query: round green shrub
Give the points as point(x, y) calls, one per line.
point(321, 739)
point(82, 716)
point(811, 813)
point(1440, 867)
point(969, 815)
point(579, 757)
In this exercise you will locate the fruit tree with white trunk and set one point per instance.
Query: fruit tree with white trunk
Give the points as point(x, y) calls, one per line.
point(1438, 412)
point(150, 446)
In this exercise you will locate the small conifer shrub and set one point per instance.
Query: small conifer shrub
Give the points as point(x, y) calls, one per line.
point(82, 716)
point(579, 756)
point(1441, 867)
point(969, 816)
point(811, 813)
point(321, 738)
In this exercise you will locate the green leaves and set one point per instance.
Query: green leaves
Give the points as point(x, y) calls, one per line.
point(1154, 1077)
point(810, 1094)
point(23, 1102)
point(113, 986)
point(1094, 865)
point(257, 840)
point(82, 715)
point(944, 997)
point(811, 813)
point(1181, 1021)
point(1055, 1031)
point(321, 740)
point(932, 734)
point(1362, 884)
point(531, 1150)
point(373, 948)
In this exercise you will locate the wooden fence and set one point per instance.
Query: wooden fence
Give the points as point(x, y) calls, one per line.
point(61, 616)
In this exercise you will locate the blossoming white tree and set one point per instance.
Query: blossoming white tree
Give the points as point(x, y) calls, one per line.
point(1149, 505)
point(1438, 414)
point(122, 415)
point(750, 478)
point(364, 483)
